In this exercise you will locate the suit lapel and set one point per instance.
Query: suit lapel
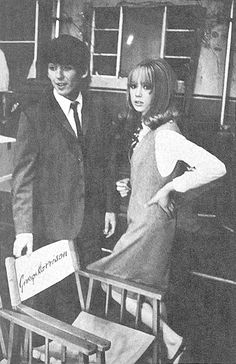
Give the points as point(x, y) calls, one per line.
point(59, 115)
point(85, 114)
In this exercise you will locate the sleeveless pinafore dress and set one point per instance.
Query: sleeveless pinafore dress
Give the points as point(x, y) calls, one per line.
point(142, 254)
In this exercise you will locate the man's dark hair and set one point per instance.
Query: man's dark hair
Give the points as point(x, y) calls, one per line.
point(67, 50)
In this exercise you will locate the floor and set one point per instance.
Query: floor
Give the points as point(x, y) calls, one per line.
point(203, 310)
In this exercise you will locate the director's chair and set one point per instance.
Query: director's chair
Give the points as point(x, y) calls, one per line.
point(120, 343)
point(142, 303)
point(28, 276)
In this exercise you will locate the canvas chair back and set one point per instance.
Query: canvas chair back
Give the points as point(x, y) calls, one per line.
point(30, 275)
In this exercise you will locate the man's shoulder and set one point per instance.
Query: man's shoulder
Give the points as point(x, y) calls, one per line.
point(96, 103)
point(37, 104)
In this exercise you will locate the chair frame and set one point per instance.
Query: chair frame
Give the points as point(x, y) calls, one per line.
point(156, 295)
point(52, 329)
point(84, 348)
point(87, 343)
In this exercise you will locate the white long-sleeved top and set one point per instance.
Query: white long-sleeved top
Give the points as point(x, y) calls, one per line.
point(171, 147)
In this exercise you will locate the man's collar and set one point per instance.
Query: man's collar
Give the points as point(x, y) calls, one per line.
point(65, 103)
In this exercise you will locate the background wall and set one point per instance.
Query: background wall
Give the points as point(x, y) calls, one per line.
point(212, 56)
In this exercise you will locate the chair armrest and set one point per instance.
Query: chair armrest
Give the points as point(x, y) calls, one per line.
point(49, 331)
point(102, 344)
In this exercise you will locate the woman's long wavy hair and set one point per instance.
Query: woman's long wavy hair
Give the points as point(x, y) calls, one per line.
point(159, 74)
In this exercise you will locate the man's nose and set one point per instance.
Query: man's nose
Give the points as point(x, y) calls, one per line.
point(59, 72)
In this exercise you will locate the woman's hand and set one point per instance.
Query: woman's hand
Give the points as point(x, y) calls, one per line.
point(123, 187)
point(164, 200)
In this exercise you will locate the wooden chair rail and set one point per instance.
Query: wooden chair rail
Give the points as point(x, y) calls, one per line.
point(102, 344)
point(119, 290)
point(28, 276)
point(141, 289)
point(49, 332)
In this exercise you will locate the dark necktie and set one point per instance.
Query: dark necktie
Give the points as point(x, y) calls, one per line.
point(135, 140)
point(73, 106)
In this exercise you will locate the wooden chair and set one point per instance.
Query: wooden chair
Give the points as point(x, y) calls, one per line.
point(28, 276)
point(131, 298)
point(129, 343)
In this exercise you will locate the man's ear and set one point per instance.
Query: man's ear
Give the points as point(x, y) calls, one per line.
point(84, 75)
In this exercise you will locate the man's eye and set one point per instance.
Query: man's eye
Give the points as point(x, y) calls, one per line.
point(67, 68)
point(52, 67)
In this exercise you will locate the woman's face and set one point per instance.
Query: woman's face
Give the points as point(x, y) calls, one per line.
point(141, 93)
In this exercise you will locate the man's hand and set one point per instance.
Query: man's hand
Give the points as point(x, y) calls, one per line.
point(123, 187)
point(110, 224)
point(24, 240)
point(163, 199)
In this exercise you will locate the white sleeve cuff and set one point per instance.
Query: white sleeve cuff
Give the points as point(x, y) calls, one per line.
point(24, 235)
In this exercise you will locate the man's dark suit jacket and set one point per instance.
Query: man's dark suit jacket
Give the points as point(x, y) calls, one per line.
point(52, 176)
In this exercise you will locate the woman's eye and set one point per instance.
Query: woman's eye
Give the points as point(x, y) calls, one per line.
point(147, 87)
point(133, 86)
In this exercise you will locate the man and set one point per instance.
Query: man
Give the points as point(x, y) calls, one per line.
point(64, 176)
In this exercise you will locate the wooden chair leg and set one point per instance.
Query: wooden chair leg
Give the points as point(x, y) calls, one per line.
point(3, 337)
point(30, 347)
point(63, 354)
point(24, 337)
point(155, 353)
point(47, 358)
point(89, 295)
point(14, 344)
point(25, 349)
point(83, 359)
point(157, 332)
point(10, 343)
point(100, 357)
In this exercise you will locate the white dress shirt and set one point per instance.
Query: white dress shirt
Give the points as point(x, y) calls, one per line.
point(65, 106)
point(171, 147)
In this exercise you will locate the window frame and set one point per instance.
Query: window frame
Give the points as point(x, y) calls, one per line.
point(116, 81)
point(108, 81)
point(34, 41)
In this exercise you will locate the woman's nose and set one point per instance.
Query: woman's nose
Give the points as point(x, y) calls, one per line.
point(138, 91)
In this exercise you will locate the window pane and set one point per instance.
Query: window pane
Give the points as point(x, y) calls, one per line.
point(17, 20)
point(107, 18)
point(180, 66)
point(179, 44)
point(183, 17)
point(19, 58)
point(141, 36)
point(104, 65)
point(106, 42)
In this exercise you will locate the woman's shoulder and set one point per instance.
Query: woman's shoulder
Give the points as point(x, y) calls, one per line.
point(169, 129)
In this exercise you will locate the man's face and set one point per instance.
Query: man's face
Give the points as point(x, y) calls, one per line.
point(65, 79)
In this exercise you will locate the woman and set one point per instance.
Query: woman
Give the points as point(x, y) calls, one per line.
point(163, 163)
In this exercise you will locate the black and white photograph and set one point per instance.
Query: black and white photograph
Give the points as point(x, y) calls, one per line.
point(117, 182)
